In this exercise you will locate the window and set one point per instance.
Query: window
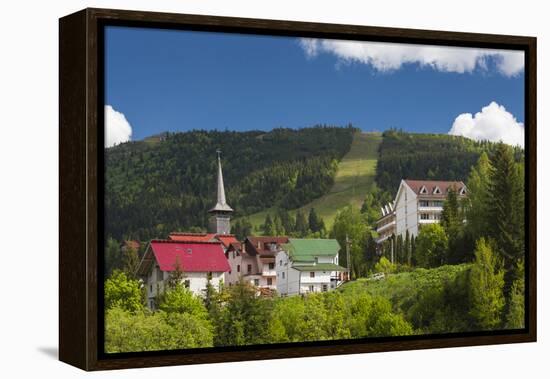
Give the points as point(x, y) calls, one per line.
point(229, 272)
point(238, 268)
point(281, 262)
point(422, 190)
point(269, 281)
point(283, 274)
point(271, 266)
point(187, 283)
point(316, 260)
point(150, 288)
point(159, 274)
point(437, 190)
point(311, 289)
point(256, 282)
point(209, 276)
point(325, 288)
point(249, 268)
point(424, 216)
point(312, 274)
point(424, 203)
point(152, 304)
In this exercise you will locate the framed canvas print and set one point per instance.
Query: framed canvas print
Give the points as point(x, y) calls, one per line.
point(240, 189)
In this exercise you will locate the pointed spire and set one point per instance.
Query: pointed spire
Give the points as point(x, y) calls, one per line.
point(221, 204)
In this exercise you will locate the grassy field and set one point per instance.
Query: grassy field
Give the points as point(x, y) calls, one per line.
point(354, 179)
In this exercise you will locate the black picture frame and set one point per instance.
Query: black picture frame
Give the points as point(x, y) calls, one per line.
point(81, 192)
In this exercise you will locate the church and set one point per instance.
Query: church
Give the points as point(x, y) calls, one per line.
point(217, 257)
point(200, 256)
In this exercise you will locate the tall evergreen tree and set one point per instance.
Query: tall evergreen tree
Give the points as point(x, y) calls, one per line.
point(477, 202)
point(286, 220)
point(399, 249)
point(407, 248)
point(506, 211)
point(269, 228)
point(486, 287)
point(515, 317)
point(278, 228)
point(301, 224)
point(314, 221)
point(451, 218)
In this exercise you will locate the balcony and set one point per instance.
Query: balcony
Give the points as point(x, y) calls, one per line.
point(430, 209)
point(387, 226)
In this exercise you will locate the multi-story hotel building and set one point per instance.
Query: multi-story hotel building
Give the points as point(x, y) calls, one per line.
point(417, 203)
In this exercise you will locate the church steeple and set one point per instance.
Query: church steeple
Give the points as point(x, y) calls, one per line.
point(221, 204)
point(220, 221)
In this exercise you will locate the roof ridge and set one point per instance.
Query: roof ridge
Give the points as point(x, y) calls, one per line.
point(190, 234)
point(184, 241)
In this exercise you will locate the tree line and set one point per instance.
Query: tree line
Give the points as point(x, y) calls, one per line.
point(486, 228)
point(155, 187)
point(236, 315)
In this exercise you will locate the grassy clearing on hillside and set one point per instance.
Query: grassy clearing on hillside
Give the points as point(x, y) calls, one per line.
point(355, 177)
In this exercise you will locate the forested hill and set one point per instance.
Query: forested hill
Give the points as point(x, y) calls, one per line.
point(427, 156)
point(159, 185)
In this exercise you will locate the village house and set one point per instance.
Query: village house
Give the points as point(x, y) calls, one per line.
point(253, 261)
point(201, 256)
point(308, 266)
point(200, 263)
point(417, 203)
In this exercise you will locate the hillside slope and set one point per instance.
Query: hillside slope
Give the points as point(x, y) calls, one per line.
point(354, 178)
point(168, 183)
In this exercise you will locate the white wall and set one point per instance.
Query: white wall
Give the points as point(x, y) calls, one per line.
point(28, 155)
point(406, 211)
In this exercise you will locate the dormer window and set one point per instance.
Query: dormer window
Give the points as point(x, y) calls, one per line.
point(437, 191)
point(462, 191)
point(423, 190)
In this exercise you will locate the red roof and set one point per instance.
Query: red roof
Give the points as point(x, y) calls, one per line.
point(416, 186)
point(226, 239)
point(192, 237)
point(193, 256)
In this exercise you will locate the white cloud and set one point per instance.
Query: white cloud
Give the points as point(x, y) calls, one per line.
point(493, 123)
point(117, 128)
point(391, 56)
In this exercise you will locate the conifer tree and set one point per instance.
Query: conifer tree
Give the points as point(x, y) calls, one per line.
point(301, 224)
point(407, 248)
point(278, 228)
point(286, 220)
point(268, 226)
point(486, 287)
point(515, 317)
point(506, 211)
point(477, 202)
point(399, 249)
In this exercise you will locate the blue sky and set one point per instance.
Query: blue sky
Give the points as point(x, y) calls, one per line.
point(162, 80)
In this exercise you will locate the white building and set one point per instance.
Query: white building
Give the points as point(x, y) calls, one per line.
point(307, 266)
point(417, 203)
point(200, 262)
point(253, 261)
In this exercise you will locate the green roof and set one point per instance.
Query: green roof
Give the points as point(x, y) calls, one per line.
point(320, 267)
point(306, 249)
